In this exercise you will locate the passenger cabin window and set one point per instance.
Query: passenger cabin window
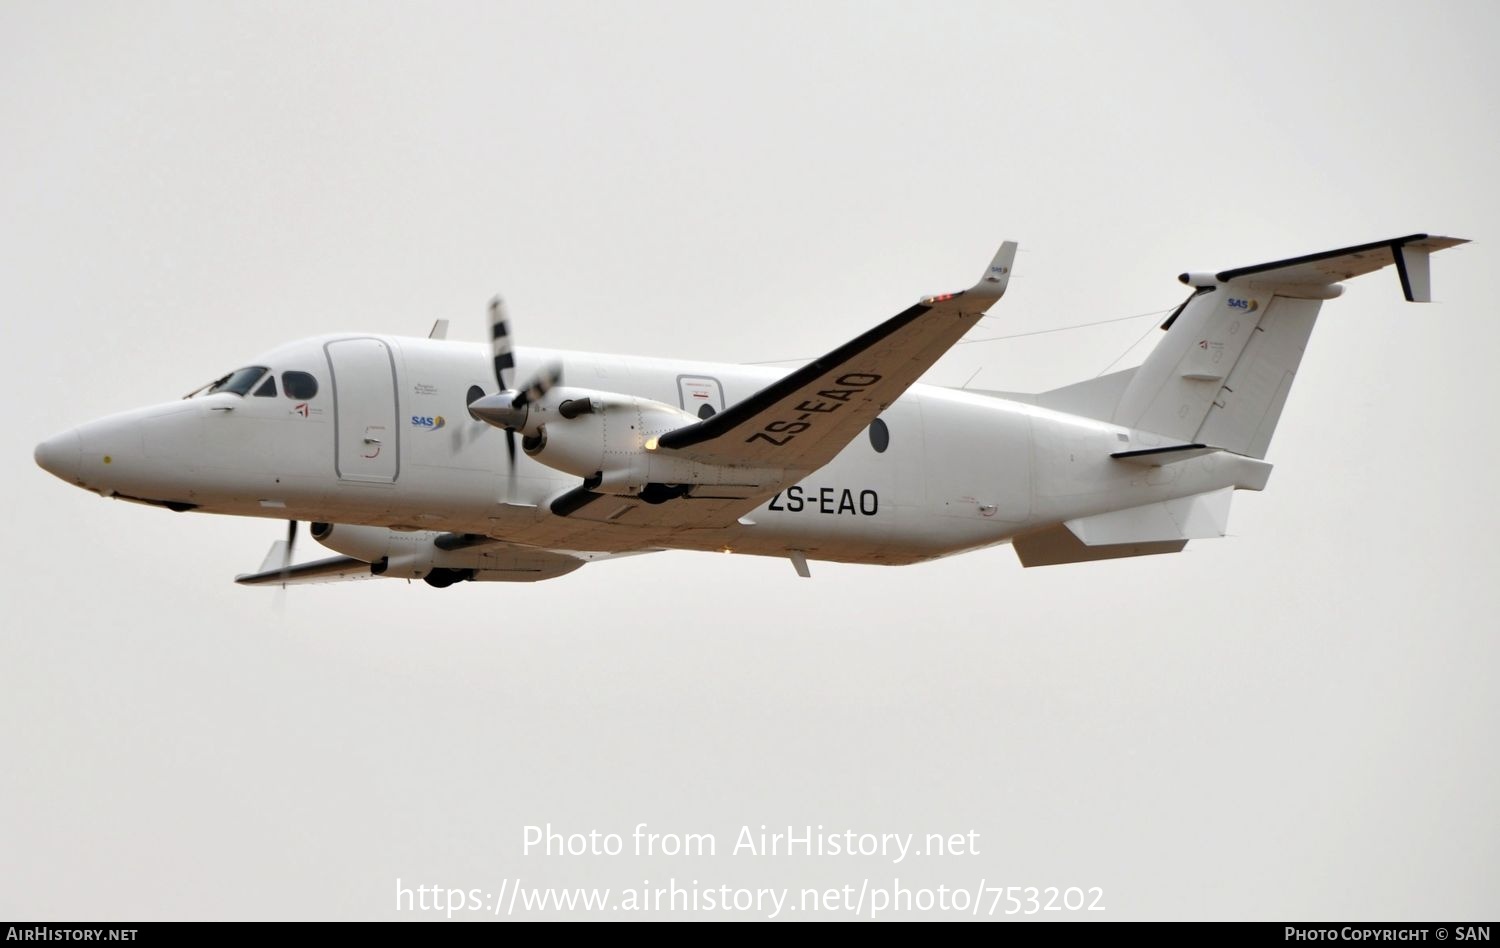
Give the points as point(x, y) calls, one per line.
point(239, 381)
point(267, 388)
point(299, 385)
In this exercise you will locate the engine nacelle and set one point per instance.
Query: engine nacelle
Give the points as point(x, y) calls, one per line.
point(586, 433)
point(610, 441)
point(371, 544)
point(396, 554)
point(399, 554)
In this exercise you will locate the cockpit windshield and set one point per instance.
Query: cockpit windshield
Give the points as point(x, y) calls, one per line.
point(239, 381)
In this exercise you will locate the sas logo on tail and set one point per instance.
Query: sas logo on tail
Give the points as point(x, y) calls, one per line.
point(427, 422)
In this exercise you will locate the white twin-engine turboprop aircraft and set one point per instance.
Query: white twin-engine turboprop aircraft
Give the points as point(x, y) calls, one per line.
point(384, 442)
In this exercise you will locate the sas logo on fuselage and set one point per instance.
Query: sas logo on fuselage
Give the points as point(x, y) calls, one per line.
point(1248, 306)
point(427, 422)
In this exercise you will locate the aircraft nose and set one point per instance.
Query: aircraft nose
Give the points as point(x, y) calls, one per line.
point(61, 455)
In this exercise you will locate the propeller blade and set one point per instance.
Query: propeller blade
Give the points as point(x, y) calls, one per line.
point(549, 376)
point(505, 359)
point(493, 409)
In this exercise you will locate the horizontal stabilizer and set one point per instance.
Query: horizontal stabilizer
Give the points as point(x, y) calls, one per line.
point(1199, 517)
point(1158, 457)
point(1409, 254)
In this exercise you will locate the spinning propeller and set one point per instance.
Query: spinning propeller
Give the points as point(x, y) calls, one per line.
point(286, 554)
point(508, 408)
point(287, 550)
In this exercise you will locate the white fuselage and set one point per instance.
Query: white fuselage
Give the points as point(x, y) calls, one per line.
point(387, 441)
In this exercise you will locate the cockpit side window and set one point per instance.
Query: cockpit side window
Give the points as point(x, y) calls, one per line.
point(267, 388)
point(239, 381)
point(299, 385)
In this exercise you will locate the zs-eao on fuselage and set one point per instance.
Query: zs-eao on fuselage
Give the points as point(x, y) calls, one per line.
point(450, 461)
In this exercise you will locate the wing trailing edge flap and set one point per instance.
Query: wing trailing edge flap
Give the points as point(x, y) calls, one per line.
point(801, 421)
point(678, 512)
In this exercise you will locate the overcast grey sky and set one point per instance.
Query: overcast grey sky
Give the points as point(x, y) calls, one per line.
point(1296, 721)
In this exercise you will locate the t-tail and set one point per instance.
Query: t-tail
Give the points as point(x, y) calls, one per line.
point(1215, 384)
point(1221, 374)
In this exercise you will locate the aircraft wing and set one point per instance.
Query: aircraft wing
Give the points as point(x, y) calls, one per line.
point(331, 570)
point(801, 421)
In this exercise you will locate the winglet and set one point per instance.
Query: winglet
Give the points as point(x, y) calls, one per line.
point(991, 286)
point(799, 563)
point(997, 277)
point(276, 557)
